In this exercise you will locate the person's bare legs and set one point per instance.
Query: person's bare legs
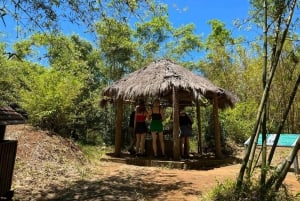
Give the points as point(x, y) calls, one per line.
point(138, 142)
point(187, 145)
point(162, 143)
point(154, 145)
point(182, 146)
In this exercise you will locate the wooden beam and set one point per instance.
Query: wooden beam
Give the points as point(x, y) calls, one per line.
point(118, 133)
point(176, 140)
point(2, 131)
point(200, 151)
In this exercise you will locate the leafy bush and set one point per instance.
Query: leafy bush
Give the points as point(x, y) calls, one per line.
point(50, 99)
point(239, 121)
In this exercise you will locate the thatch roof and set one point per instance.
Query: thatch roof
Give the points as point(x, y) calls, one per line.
point(9, 116)
point(158, 80)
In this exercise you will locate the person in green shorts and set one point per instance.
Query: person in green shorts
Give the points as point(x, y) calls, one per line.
point(156, 127)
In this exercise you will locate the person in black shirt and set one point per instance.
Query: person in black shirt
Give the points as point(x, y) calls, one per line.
point(185, 124)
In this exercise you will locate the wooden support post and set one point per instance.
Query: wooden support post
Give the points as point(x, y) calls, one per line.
point(200, 151)
point(8, 150)
point(176, 139)
point(2, 131)
point(217, 132)
point(118, 133)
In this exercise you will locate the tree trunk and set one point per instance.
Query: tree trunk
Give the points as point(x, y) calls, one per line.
point(251, 156)
point(287, 165)
point(285, 115)
point(217, 132)
point(264, 118)
point(278, 176)
point(176, 142)
point(274, 63)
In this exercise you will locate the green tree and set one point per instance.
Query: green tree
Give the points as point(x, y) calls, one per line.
point(74, 69)
point(219, 62)
point(50, 99)
point(279, 17)
point(117, 48)
point(16, 75)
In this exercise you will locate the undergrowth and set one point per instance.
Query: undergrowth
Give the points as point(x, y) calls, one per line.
point(93, 153)
point(226, 192)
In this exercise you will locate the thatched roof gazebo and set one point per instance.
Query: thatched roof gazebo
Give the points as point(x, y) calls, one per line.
point(174, 83)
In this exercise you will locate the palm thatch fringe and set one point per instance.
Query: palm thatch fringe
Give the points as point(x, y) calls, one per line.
point(158, 79)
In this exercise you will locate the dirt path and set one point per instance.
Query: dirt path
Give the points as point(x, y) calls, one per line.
point(153, 183)
point(49, 167)
point(121, 182)
point(117, 181)
point(161, 184)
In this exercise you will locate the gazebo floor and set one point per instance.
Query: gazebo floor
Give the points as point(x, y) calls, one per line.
point(195, 161)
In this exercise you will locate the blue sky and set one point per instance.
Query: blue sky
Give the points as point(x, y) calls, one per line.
point(181, 12)
point(200, 12)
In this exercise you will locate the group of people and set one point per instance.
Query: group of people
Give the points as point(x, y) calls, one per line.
point(138, 129)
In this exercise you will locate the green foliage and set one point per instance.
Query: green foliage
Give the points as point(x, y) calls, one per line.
point(65, 95)
point(185, 41)
point(155, 29)
point(219, 64)
point(209, 134)
point(49, 16)
point(226, 191)
point(8, 84)
point(194, 143)
point(220, 36)
point(117, 48)
point(92, 152)
point(287, 73)
point(239, 121)
point(222, 191)
point(15, 75)
point(50, 98)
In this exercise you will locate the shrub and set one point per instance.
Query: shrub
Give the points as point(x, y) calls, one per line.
point(239, 121)
point(226, 191)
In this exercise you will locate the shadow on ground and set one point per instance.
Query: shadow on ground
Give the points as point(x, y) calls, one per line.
point(119, 187)
point(194, 162)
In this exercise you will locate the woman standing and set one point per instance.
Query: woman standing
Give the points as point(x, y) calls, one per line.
point(140, 127)
point(156, 127)
point(185, 123)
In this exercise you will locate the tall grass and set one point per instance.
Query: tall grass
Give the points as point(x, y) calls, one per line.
point(94, 152)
